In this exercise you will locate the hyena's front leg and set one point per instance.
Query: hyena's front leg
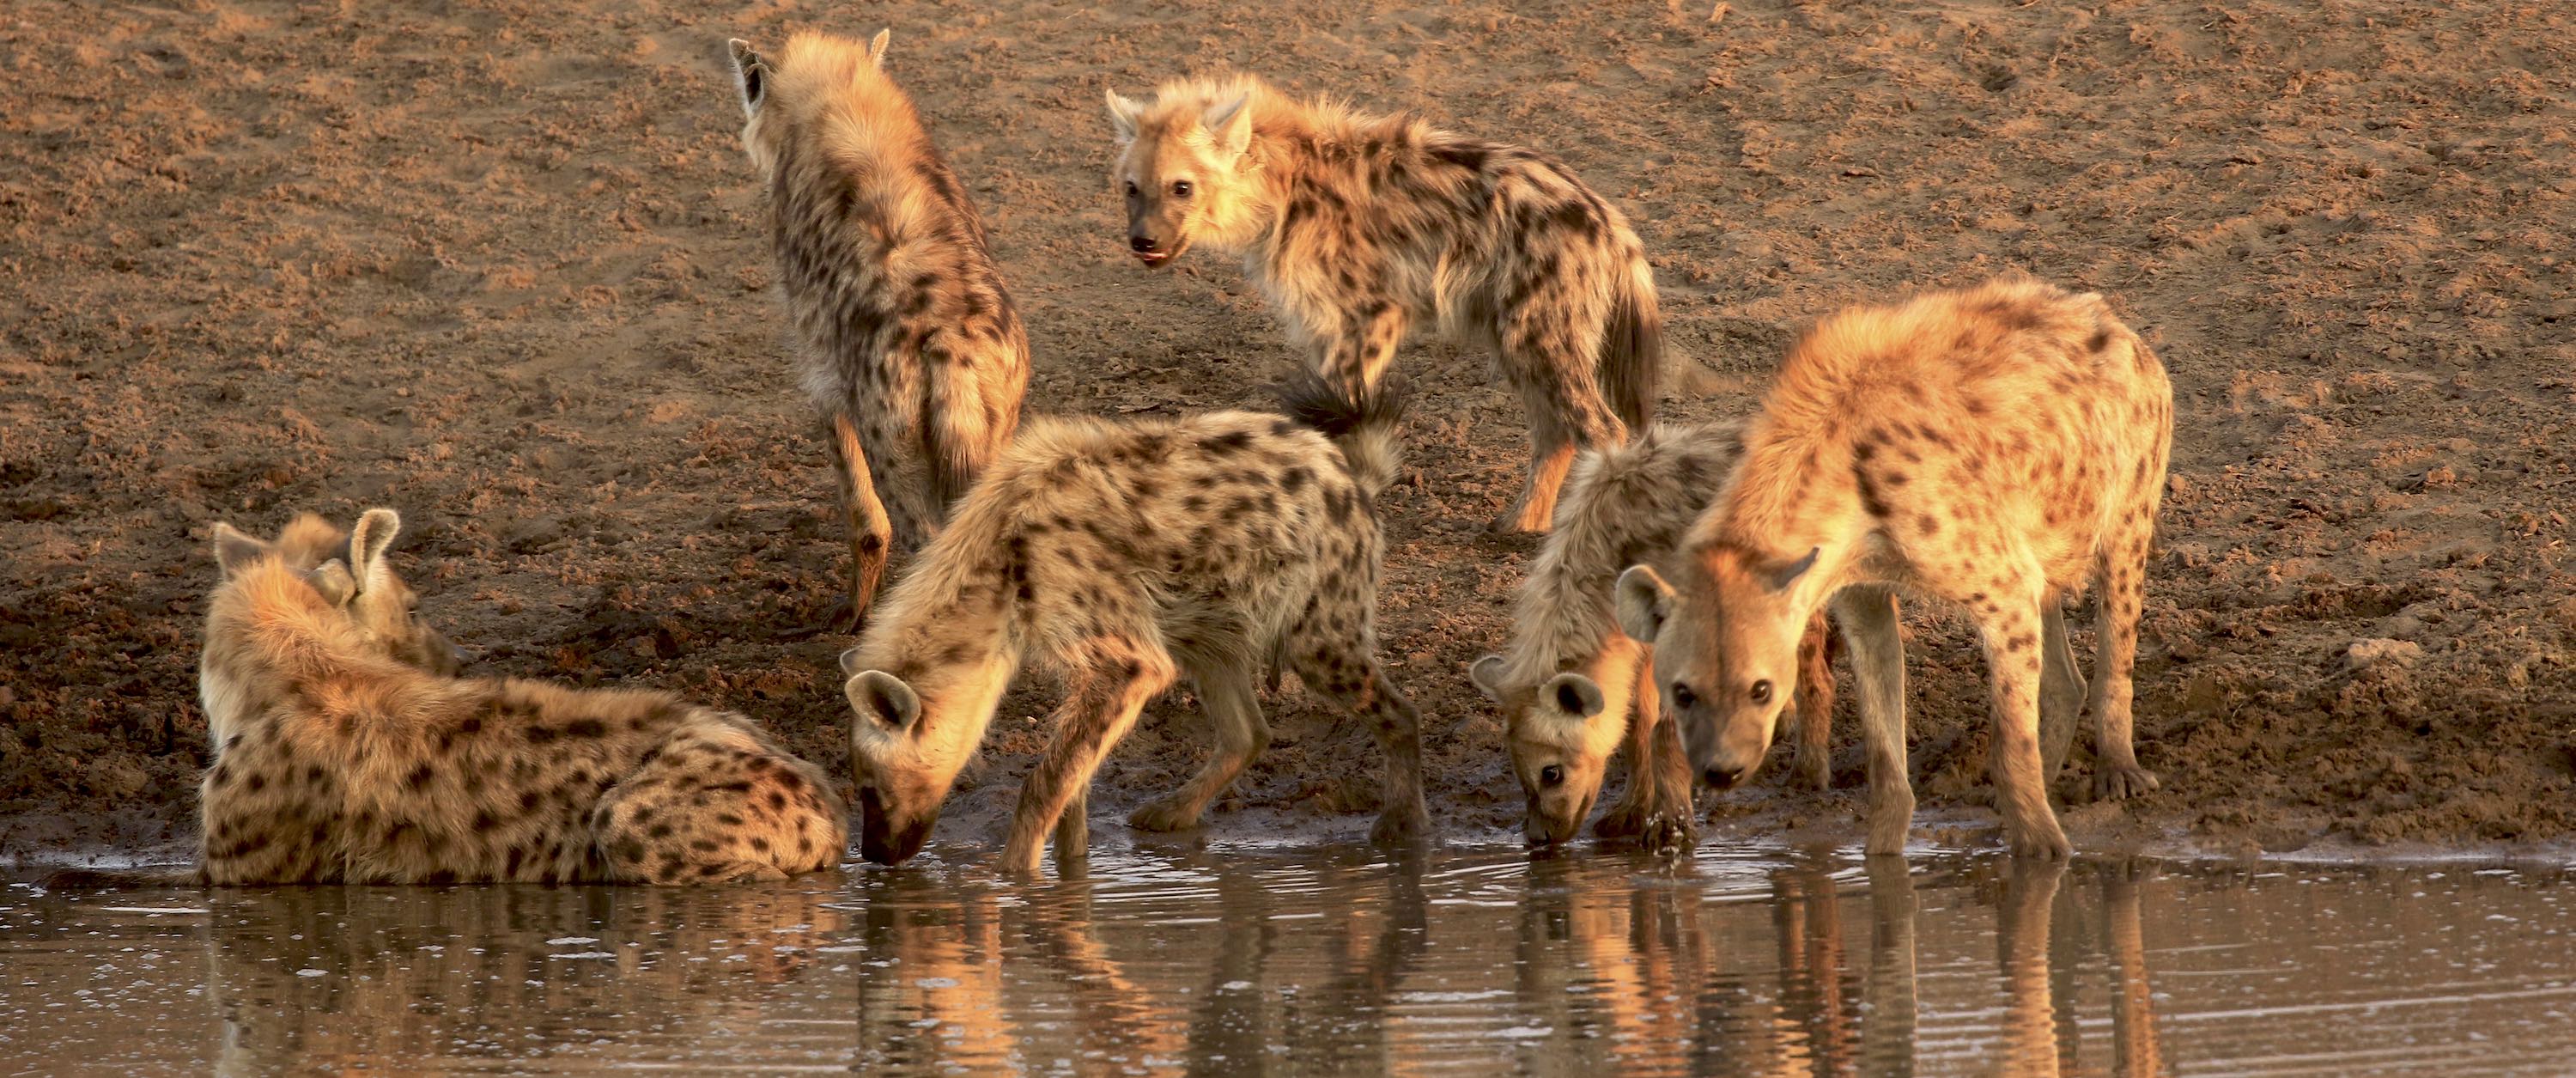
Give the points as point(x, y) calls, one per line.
point(1869, 627)
point(1234, 709)
point(1116, 680)
point(871, 532)
point(1813, 763)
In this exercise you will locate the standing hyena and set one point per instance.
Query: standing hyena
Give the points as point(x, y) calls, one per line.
point(346, 753)
point(905, 338)
point(1998, 447)
point(1570, 675)
point(1359, 226)
point(1129, 555)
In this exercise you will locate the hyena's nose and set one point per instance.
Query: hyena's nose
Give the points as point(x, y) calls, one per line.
point(1143, 245)
point(1721, 777)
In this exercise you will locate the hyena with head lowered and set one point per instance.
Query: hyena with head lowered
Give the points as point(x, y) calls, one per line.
point(1999, 448)
point(1568, 680)
point(1358, 227)
point(345, 752)
point(904, 336)
point(1129, 555)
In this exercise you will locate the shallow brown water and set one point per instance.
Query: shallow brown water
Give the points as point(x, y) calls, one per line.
point(1233, 961)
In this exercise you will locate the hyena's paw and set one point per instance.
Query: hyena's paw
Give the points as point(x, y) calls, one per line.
point(1627, 819)
point(1399, 826)
point(1666, 831)
point(1812, 771)
point(2119, 782)
point(1516, 522)
point(1165, 814)
point(2042, 841)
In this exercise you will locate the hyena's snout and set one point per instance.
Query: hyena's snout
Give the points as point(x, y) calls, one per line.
point(1153, 242)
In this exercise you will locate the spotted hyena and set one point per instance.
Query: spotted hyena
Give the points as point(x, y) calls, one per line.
point(1568, 680)
point(1359, 226)
point(346, 752)
point(1998, 448)
point(1129, 555)
point(904, 337)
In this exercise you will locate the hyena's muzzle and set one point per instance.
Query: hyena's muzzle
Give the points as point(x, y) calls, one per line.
point(1156, 232)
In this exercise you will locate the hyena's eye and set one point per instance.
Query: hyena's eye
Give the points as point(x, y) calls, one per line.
point(1683, 697)
point(1551, 775)
point(1180, 188)
point(1131, 189)
point(1761, 692)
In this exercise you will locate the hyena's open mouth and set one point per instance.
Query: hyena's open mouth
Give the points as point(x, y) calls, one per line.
point(1159, 256)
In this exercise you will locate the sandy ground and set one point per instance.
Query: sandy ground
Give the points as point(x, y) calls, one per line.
point(496, 263)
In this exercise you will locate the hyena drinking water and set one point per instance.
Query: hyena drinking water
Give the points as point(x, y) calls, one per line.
point(904, 336)
point(1130, 555)
point(1998, 448)
point(1358, 227)
point(346, 752)
point(1569, 677)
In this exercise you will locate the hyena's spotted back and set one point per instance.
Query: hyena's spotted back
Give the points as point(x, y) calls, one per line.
point(341, 761)
point(905, 337)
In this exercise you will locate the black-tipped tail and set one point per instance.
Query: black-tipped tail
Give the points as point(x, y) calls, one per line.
point(1364, 427)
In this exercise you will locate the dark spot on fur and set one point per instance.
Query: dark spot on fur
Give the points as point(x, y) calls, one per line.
point(420, 777)
point(586, 728)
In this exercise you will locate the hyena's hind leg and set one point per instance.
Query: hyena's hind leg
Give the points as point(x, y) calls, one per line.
point(2116, 773)
point(716, 805)
point(871, 532)
point(1562, 394)
point(1234, 709)
point(1343, 668)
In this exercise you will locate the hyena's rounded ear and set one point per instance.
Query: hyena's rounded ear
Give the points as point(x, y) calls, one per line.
point(1487, 673)
point(1230, 125)
point(750, 75)
point(1643, 600)
point(877, 46)
point(1573, 695)
point(332, 579)
point(883, 699)
point(235, 551)
point(368, 540)
point(1122, 116)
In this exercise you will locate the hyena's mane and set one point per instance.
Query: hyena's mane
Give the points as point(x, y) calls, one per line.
point(1622, 505)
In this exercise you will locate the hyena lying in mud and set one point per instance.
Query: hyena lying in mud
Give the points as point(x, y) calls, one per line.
point(346, 752)
point(904, 335)
point(1131, 554)
point(1358, 227)
point(1570, 675)
point(1999, 448)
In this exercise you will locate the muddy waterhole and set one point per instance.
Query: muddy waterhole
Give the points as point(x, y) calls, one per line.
point(1251, 960)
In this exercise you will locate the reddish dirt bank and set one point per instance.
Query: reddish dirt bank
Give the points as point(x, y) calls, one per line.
point(496, 264)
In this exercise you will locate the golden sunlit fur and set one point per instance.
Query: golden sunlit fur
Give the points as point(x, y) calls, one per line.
point(343, 760)
point(1130, 554)
point(1358, 227)
point(905, 338)
point(1998, 448)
